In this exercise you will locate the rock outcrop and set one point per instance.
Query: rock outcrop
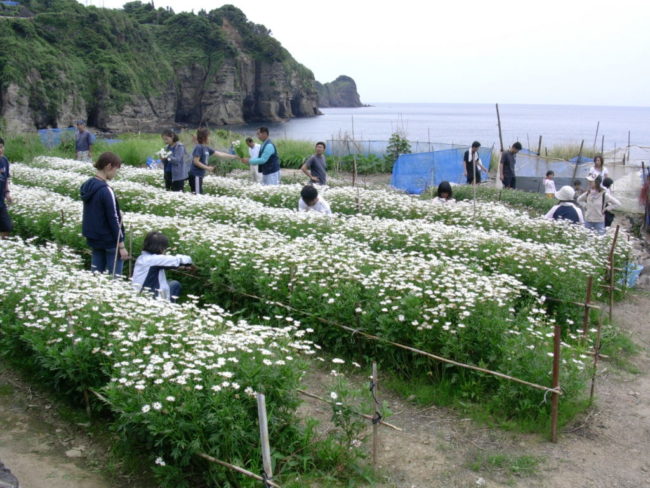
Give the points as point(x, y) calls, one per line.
point(250, 78)
point(341, 92)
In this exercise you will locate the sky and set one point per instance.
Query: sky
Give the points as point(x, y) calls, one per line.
point(573, 52)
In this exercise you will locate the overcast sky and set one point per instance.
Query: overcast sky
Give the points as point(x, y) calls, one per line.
point(553, 52)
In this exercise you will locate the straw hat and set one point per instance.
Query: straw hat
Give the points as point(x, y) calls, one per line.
point(565, 193)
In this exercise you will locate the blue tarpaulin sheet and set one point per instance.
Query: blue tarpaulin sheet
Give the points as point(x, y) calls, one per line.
point(414, 173)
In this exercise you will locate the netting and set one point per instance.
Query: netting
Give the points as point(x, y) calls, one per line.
point(344, 147)
point(414, 173)
point(52, 137)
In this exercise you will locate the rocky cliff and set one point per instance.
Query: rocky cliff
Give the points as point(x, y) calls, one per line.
point(341, 92)
point(144, 69)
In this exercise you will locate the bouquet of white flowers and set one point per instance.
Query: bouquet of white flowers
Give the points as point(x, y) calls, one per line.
point(240, 149)
point(163, 153)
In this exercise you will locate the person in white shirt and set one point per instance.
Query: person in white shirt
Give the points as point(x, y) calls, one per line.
point(254, 152)
point(311, 202)
point(444, 193)
point(149, 271)
point(598, 168)
point(596, 202)
point(549, 184)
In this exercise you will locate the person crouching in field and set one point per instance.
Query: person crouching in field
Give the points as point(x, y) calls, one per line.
point(149, 271)
point(311, 202)
point(566, 209)
point(444, 193)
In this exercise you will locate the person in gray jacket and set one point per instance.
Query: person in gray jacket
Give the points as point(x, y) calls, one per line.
point(176, 170)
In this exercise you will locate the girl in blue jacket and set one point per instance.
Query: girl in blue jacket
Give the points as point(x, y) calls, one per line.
point(102, 220)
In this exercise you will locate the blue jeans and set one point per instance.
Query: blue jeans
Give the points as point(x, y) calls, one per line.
point(103, 260)
point(596, 226)
point(174, 290)
point(272, 179)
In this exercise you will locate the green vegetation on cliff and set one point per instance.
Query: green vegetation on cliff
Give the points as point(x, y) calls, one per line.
point(68, 60)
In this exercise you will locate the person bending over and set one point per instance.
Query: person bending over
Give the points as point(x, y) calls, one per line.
point(311, 202)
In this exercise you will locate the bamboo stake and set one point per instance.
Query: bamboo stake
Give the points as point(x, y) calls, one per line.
point(602, 145)
point(368, 417)
point(579, 304)
point(243, 471)
point(575, 167)
point(557, 338)
point(611, 273)
point(596, 136)
point(585, 317)
point(539, 146)
point(596, 356)
point(130, 250)
point(264, 437)
point(628, 147)
point(375, 423)
point(499, 123)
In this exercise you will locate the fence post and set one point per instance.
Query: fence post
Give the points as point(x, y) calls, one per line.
point(596, 355)
point(377, 416)
point(264, 438)
point(555, 398)
point(611, 273)
point(585, 318)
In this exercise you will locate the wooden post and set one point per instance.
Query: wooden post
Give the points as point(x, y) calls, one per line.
point(499, 123)
point(555, 397)
point(596, 355)
point(602, 145)
point(130, 250)
point(575, 168)
point(375, 423)
point(264, 436)
point(628, 146)
point(596, 136)
point(610, 261)
point(585, 317)
point(539, 146)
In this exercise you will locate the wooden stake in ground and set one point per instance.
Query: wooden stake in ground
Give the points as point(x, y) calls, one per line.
point(539, 146)
point(555, 397)
point(585, 317)
point(264, 437)
point(610, 262)
point(575, 168)
point(596, 356)
point(377, 417)
point(499, 123)
point(596, 136)
point(602, 145)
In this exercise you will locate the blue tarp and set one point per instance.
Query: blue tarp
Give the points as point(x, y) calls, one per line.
point(414, 173)
point(52, 137)
point(9, 3)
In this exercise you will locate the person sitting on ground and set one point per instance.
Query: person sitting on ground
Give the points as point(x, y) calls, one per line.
point(549, 184)
point(444, 193)
point(311, 202)
point(609, 216)
point(149, 271)
point(473, 165)
point(566, 209)
point(316, 166)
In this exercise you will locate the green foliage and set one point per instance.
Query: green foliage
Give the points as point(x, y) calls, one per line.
point(397, 144)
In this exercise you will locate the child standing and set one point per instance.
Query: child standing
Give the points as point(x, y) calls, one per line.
point(149, 271)
point(309, 201)
point(5, 197)
point(549, 184)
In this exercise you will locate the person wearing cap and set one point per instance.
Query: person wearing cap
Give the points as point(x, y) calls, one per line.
point(596, 201)
point(566, 209)
point(473, 165)
point(83, 142)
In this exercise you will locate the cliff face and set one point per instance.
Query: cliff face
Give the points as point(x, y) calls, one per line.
point(146, 69)
point(341, 92)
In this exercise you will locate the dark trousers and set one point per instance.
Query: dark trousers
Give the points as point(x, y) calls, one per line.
point(196, 184)
point(178, 185)
point(509, 181)
point(168, 181)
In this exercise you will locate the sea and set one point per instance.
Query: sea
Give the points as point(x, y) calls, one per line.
point(464, 123)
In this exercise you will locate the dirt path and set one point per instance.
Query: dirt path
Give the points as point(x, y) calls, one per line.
point(43, 449)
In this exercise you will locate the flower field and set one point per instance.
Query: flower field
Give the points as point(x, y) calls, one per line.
point(468, 285)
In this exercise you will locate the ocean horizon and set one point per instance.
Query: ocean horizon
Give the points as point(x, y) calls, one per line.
point(460, 123)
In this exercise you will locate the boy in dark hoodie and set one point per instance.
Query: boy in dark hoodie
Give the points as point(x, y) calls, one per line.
point(102, 221)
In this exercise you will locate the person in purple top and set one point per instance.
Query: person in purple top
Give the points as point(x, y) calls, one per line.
point(83, 142)
point(5, 196)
